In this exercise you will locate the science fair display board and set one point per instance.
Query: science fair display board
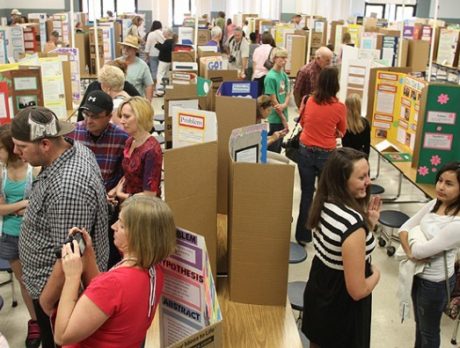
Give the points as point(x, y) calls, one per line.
point(190, 314)
point(439, 141)
point(396, 111)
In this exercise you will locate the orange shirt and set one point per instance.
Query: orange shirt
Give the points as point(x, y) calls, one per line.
point(320, 123)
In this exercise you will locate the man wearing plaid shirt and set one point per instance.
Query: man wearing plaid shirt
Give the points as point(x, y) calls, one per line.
point(68, 192)
point(107, 141)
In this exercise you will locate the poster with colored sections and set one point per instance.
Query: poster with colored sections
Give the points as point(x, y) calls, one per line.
point(192, 126)
point(355, 31)
point(408, 113)
point(53, 85)
point(3, 58)
point(440, 131)
point(385, 116)
point(189, 302)
point(280, 33)
point(67, 54)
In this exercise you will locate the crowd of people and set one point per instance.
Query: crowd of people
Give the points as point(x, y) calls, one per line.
point(99, 181)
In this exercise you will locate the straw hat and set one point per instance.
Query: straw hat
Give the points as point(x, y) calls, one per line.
point(15, 12)
point(131, 41)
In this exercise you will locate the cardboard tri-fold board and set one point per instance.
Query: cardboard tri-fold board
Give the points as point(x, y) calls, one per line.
point(418, 55)
point(260, 214)
point(183, 56)
point(217, 77)
point(298, 56)
point(231, 113)
point(24, 88)
point(204, 35)
point(82, 43)
point(210, 337)
point(190, 187)
point(175, 92)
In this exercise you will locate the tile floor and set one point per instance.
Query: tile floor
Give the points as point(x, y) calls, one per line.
point(387, 330)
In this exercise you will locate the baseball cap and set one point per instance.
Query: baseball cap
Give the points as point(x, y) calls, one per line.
point(37, 122)
point(15, 12)
point(97, 102)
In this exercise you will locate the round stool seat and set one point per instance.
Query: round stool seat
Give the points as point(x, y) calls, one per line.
point(160, 139)
point(159, 117)
point(376, 189)
point(295, 294)
point(297, 253)
point(393, 218)
point(159, 128)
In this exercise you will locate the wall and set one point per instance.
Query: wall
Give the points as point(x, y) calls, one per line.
point(447, 9)
point(356, 8)
point(423, 8)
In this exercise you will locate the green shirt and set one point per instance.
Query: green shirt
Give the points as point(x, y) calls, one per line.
point(14, 192)
point(277, 83)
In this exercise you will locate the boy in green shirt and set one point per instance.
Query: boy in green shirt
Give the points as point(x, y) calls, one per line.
point(277, 86)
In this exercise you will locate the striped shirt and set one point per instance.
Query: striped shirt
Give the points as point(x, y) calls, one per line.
point(336, 224)
point(108, 149)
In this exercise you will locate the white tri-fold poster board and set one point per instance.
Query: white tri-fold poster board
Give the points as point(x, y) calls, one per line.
point(189, 301)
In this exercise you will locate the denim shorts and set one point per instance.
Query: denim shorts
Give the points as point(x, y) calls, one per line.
point(9, 247)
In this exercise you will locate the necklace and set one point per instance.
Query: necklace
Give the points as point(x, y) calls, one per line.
point(123, 261)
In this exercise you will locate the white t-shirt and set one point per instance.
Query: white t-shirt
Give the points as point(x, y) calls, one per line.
point(442, 233)
point(153, 38)
point(259, 57)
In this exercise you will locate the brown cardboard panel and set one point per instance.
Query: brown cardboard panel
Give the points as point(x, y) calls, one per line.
point(190, 185)
point(176, 92)
point(82, 43)
point(298, 54)
point(259, 232)
point(66, 70)
point(204, 35)
point(418, 55)
point(217, 77)
point(183, 56)
point(23, 71)
point(231, 113)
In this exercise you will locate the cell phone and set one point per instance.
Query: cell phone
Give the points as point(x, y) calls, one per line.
point(78, 236)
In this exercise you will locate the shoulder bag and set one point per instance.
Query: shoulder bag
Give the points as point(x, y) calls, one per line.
point(268, 64)
point(293, 143)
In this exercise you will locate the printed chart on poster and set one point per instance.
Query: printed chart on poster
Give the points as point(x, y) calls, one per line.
point(191, 126)
point(396, 110)
point(440, 137)
point(189, 302)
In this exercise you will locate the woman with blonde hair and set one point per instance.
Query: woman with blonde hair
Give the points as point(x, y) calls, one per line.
point(118, 306)
point(96, 85)
point(142, 156)
point(112, 81)
point(136, 22)
point(358, 135)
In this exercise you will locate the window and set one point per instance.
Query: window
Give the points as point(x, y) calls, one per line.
point(409, 12)
point(377, 9)
point(102, 6)
point(179, 8)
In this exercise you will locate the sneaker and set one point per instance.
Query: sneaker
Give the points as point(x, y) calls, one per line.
point(33, 334)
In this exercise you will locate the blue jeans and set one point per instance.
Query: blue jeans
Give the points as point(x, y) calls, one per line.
point(430, 299)
point(153, 62)
point(311, 163)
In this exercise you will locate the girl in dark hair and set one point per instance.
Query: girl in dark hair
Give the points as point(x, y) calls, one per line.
point(322, 120)
point(337, 298)
point(151, 39)
point(439, 221)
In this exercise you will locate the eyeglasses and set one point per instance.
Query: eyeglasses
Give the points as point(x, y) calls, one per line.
point(87, 114)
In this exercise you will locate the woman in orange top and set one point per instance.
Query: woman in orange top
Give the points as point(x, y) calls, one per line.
point(323, 118)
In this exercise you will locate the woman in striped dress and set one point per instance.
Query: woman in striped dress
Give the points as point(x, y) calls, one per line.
point(337, 298)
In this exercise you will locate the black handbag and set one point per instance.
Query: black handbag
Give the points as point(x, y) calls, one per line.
point(268, 64)
point(292, 145)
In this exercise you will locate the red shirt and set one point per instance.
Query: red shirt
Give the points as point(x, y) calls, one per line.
point(142, 168)
point(321, 121)
point(123, 295)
